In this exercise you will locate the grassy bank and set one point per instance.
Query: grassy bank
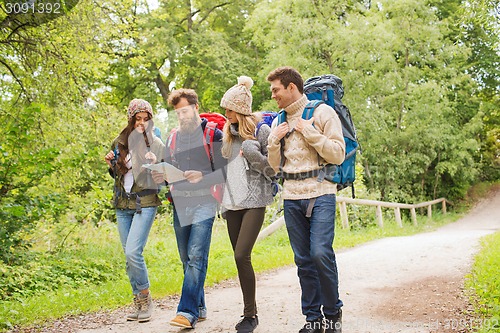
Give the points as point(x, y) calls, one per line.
point(485, 284)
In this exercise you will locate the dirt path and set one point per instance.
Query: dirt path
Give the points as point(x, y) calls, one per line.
point(399, 284)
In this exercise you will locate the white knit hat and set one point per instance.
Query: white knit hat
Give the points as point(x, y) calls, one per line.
point(239, 98)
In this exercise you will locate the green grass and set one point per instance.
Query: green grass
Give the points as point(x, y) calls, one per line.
point(165, 269)
point(485, 283)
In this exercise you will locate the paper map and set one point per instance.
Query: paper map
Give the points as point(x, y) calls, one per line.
point(169, 171)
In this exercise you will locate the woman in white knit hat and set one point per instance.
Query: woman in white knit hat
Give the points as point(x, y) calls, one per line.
point(248, 188)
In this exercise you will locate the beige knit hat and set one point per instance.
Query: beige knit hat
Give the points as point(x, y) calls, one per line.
point(239, 98)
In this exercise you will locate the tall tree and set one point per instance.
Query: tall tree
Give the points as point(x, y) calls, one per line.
point(475, 24)
point(399, 70)
point(194, 44)
point(49, 72)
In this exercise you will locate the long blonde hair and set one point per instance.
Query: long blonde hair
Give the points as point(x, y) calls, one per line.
point(246, 129)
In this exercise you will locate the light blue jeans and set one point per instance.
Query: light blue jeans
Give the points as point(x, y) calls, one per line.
point(311, 239)
point(193, 243)
point(134, 231)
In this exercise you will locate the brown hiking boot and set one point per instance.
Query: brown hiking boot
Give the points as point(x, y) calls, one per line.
point(181, 321)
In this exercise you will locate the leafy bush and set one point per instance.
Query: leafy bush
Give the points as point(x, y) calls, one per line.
point(45, 272)
point(23, 163)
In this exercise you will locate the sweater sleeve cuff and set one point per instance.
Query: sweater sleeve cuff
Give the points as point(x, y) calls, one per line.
point(273, 140)
point(309, 131)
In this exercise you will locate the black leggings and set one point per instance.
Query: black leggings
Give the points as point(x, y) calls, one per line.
point(243, 227)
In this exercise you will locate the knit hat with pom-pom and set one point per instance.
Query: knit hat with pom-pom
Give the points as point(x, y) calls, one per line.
point(239, 98)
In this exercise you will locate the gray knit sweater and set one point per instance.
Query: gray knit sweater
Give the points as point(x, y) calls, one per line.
point(248, 183)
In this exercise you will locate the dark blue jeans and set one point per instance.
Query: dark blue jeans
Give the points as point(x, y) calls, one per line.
point(193, 243)
point(311, 239)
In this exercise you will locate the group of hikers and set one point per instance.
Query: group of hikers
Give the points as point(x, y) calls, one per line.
point(245, 156)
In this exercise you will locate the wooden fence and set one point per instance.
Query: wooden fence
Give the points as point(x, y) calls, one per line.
point(343, 201)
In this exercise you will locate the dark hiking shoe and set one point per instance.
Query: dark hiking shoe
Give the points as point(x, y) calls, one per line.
point(247, 324)
point(313, 327)
point(333, 324)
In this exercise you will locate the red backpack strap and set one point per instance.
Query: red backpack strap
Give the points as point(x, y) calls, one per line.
point(208, 134)
point(171, 145)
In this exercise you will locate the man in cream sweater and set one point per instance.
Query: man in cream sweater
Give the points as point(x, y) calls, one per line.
point(298, 148)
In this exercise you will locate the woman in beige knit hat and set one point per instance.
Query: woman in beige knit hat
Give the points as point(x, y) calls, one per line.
point(248, 188)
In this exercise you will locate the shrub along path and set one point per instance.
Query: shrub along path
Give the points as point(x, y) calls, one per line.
point(398, 284)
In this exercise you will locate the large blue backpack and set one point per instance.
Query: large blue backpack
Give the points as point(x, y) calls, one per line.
point(328, 88)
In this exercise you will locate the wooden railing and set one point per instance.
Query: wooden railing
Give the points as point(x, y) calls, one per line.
point(343, 201)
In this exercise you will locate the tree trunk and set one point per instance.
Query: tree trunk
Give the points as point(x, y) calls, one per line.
point(163, 87)
point(189, 16)
point(401, 113)
point(369, 175)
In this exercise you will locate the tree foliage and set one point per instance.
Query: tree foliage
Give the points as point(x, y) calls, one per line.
point(421, 80)
point(405, 85)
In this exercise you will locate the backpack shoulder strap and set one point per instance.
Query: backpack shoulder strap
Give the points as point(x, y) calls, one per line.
point(171, 145)
point(208, 134)
point(257, 128)
point(309, 109)
point(281, 117)
point(116, 151)
point(307, 114)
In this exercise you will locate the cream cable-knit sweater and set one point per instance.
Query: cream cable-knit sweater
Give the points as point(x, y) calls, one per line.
point(301, 150)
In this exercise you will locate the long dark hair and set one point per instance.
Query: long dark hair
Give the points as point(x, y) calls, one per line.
point(123, 144)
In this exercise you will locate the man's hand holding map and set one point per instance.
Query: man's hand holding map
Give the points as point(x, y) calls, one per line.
point(170, 173)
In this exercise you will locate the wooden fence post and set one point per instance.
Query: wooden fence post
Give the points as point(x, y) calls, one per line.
point(429, 212)
point(397, 213)
point(444, 206)
point(380, 219)
point(413, 215)
point(343, 215)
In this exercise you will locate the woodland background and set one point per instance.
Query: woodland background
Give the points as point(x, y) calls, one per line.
point(421, 77)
